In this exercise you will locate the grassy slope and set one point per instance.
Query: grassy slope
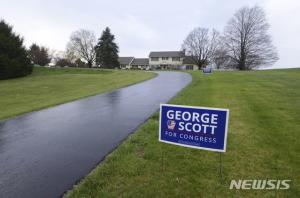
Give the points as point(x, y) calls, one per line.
point(51, 86)
point(263, 143)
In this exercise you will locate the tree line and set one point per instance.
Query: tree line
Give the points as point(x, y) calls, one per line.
point(81, 51)
point(244, 45)
point(83, 46)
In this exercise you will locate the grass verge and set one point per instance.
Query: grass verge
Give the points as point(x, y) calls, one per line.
point(263, 143)
point(51, 86)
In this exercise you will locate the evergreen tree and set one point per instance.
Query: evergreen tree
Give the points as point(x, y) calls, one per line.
point(107, 50)
point(39, 55)
point(14, 61)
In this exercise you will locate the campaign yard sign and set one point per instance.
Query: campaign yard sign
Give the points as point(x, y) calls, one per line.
point(195, 127)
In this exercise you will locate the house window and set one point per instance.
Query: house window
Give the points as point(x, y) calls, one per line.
point(165, 58)
point(189, 67)
point(154, 59)
point(175, 59)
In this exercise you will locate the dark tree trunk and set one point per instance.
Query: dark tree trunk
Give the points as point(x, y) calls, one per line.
point(90, 64)
point(242, 62)
point(200, 66)
point(202, 63)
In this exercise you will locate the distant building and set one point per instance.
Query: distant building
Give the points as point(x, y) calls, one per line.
point(125, 62)
point(140, 63)
point(166, 59)
point(175, 60)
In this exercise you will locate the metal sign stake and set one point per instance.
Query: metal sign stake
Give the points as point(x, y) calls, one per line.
point(220, 167)
point(162, 159)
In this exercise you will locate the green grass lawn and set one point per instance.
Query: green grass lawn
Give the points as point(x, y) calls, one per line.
point(263, 143)
point(51, 86)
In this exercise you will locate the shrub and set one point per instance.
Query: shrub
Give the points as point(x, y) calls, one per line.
point(14, 61)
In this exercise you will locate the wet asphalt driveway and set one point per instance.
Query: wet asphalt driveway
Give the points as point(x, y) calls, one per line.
point(44, 153)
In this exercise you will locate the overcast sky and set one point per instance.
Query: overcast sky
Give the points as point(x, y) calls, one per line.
point(141, 26)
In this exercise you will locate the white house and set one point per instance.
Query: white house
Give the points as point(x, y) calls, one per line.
point(166, 59)
point(160, 60)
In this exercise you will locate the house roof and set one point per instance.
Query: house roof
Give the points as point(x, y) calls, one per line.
point(125, 60)
point(140, 61)
point(167, 54)
point(189, 60)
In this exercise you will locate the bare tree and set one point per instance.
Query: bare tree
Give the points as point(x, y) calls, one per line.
point(82, 45)
point(246, 38)
point(221, 58)
point(201, 45)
